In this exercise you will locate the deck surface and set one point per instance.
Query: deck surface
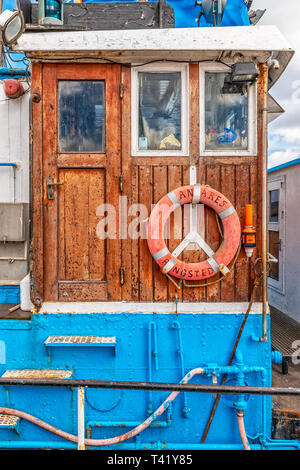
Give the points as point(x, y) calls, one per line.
point(18, 314)
point(284, 331)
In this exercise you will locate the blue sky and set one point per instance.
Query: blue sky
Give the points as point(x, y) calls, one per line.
point(284, 132)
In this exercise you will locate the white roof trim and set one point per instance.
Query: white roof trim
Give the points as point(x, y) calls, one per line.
point(242, 38)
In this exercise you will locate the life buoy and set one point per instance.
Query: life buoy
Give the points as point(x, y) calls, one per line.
point(194, 194)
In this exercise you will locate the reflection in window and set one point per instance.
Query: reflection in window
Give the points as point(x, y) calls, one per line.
point(81, 116)
point(226, 113)
point(274, 248)
point(159, 111)
point(274, 205)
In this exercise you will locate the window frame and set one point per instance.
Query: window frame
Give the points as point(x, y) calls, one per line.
point(160, 68)
point(252, 115)
point(279, 184)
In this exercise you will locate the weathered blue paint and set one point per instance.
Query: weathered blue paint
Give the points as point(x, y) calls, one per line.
point(204, 340)
point(10, 295)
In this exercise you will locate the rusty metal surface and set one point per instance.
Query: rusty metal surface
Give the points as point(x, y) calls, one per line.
point(124, 385)
point(286, 424)
point(284, 331)
point(37, 374)
point(6, 420)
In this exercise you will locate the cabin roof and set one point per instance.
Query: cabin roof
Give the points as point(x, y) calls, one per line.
point(186, 44)
point(284, 165)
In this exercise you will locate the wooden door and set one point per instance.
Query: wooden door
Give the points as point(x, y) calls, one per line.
point(81, 161)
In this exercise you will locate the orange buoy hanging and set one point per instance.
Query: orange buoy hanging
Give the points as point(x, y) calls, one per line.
point(194, 194)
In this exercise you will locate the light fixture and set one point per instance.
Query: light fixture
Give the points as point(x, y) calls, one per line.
point(213, 11)
point(51, 12)
point(11, 26)
point(244, 72)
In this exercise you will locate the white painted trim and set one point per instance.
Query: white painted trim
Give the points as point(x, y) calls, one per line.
point(252, 116)
point(162, 68)
point(243, 38)
point(150, 307)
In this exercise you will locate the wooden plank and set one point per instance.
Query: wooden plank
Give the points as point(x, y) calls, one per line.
point(89, 292)
point(160, 188)
point(174, 181)
point(146, 268)
point(96, 246)
point(135, 243)
point(76, 224)
point(130, 286)
point(242, 264)
point(212, 231)
point(113, 152)
point(228, 189)
point(50, 170)
point(81, 160)
point(37, 186)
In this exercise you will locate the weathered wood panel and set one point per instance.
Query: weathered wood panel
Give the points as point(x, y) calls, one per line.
point(81, 251)
point(93, 274)
point(153, 177)
point(114, 16)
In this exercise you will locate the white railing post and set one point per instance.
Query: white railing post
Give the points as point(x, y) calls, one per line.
point(80, 418)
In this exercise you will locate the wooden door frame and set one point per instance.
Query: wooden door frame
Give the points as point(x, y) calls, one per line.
point(41, 274)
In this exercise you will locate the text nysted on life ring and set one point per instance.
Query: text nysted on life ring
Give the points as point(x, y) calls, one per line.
point(194, 194)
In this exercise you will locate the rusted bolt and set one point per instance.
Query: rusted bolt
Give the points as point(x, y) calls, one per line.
point(36, 97)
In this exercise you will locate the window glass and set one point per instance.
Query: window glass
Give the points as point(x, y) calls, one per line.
point(81, 116)
point(159, 111)
point(274, 248)
point(274, 205)
point(226, 113)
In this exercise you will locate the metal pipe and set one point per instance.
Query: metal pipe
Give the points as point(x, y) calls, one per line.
point(274, 445)
point(264, 201)
point(8, 164)
point(110, 441)
point(161, 386)
point(80, 419)
point(241, 424)
point(22, 445)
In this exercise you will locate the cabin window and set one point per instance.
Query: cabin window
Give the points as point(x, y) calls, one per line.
point(228, 114)
point(273, 205)
point(81, 116)
point(159, 110)
point(276, 233)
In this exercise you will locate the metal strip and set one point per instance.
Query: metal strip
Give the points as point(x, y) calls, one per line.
point(196, 194)
point(226, 212)
point(174, 199)
point(160, 254)
point(80, 418)
point(212, 262)
point(169, 266)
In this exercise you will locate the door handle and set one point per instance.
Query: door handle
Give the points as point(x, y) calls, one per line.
point(50, 187)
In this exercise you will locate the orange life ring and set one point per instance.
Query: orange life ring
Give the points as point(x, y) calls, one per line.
point(231, 227)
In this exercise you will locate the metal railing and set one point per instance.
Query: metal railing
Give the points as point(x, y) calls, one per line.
point(81, 385)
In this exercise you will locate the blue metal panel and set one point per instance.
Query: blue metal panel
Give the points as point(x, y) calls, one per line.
point(9, 295)
point(163, 356)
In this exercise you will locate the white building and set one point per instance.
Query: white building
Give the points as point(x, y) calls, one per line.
point(284, 237)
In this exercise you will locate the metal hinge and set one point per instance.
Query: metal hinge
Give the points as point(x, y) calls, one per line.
point(121, 90)
point(121, 276)
point(121, 180)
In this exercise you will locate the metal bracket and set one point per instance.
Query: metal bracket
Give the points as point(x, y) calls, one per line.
point(50, 187)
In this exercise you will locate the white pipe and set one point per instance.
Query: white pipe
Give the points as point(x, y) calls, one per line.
point(80, 405)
